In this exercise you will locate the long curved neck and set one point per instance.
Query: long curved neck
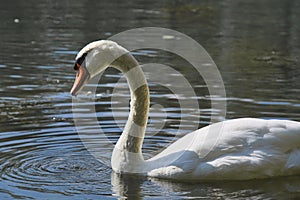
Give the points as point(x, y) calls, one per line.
point(132, 137)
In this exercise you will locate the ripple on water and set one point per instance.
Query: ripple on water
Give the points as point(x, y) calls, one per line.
point(46, 159)
point(48, 169)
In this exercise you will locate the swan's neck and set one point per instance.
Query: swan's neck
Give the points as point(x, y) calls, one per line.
point(128, 150)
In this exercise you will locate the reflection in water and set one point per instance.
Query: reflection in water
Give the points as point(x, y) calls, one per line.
point(255, 45)
point(127, 186)
point(133, 186)
point(236, 189)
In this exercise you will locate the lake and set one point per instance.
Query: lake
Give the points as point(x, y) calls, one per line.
point(254, 44)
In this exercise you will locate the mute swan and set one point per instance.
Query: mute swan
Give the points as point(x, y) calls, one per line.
point(246, 148)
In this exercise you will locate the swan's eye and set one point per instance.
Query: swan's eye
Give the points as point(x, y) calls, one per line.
point(76, 67)
point(79, 61)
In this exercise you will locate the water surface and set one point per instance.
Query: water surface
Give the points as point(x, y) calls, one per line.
point(254, 44)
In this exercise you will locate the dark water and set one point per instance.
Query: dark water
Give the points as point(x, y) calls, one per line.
point(255, 44)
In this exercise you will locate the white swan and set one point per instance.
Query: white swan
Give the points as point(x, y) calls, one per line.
point(246, 148)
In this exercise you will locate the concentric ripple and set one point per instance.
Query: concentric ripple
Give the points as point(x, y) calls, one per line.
point(48, 160)
point(50, 169)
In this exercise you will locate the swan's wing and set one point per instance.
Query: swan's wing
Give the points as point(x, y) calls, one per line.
point(243, 148)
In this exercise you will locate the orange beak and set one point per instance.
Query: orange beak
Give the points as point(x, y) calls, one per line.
point(82, 77)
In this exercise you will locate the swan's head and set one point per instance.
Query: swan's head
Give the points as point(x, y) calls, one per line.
point(93, 59)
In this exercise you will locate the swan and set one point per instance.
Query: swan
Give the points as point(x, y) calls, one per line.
point(246, 148)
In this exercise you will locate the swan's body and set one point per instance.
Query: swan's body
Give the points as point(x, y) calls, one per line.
point(246, 148)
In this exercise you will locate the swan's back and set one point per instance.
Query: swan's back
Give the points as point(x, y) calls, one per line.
point(244, 149)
